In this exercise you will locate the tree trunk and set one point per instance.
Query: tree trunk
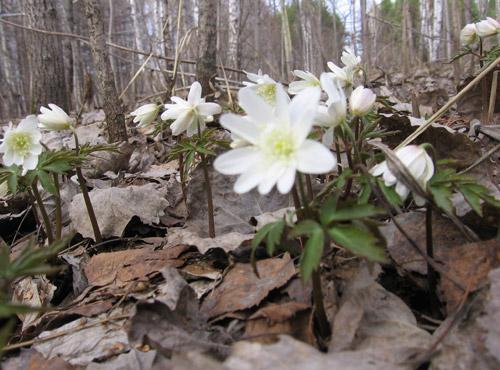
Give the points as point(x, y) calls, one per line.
point(287, 40)
point(365, 34)
point(233, 34)
point(48, 84)
point(206, 67)
point(112, 105)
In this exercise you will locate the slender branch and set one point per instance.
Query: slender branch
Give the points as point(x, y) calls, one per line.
point(86, 197)
point(43, 212)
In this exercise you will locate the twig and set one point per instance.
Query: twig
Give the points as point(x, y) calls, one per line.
point(135, 75)
point(485, 156)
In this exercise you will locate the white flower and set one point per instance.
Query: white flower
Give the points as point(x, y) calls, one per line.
point(344, 75)
point(191, 112)
point(277, 142)
point(468, 35)
point(307, 80)
point(361, 101)
point(263, 85)
point(488, 27)
point(350, 60)
point(418, 163)
point(54, 118)
point(21, 145)
point(146, 114)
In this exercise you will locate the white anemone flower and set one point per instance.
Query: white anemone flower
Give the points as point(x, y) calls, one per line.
point(278, 149)
point(468, 35)
point(334, 112)
point(21, 145)
point(263, 85)
point(344, 75)
point(488, 27)
point(54, 119)
point(361, 101)
point(417, 162)
point(146, 114)
point(307, 80)
point(190, 113)
point(350, 60)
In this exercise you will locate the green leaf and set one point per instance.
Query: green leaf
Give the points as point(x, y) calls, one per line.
point(259, 237)
point(390, 194)
point(353, 212)
point(274, 236)
point(12, 183)
point(358, 240)
point(442, 197)
point(313, 249)
point(47, 182)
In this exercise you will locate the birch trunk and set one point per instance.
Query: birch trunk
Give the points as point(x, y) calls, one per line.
point(233, 34)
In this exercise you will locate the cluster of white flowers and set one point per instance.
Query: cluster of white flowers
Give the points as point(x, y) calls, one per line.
point(471, 33)
point(188, 115)
point(21, 144)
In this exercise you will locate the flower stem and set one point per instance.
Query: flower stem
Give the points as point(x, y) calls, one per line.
point(58, 207)
point(339, 157)
point(86, 197)
point(183, 180)
point(310, 192)
point(208, 189)
point(43, 212)
point(319, 307)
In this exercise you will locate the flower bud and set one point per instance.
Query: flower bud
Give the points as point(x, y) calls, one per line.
point(468, 35)
point(146, 114)
point(54, 119)
point(362, 101)
point(488, 27)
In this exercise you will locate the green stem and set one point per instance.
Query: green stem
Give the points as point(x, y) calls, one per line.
point(310, 192)
point(208, 190)
point(43, 212)
point(86, 197)
point(183, 179)
point(339, 157)
point(58, 207)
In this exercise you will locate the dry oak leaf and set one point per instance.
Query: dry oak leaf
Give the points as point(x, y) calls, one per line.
point(122, 267)
point(242, 289)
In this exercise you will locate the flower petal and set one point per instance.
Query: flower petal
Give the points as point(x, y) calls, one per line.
point(314, 158)
point(250, 179)
point(285, 183)
point(302, 111)
point(241, 127)
point(237, 161)
point(273, 174)
point(181, 124)
point(209, 109)
point(194, 95)
point(256, 107)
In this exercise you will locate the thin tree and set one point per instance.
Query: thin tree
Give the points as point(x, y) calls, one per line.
point(48, 83)
point(112, 105)
point(206, 67)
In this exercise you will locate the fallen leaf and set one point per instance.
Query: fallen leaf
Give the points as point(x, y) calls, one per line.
point(81, 346)
point(227, 242)
point(290, 354)
point(292, 318)
point(115, 207)
point(470, 264)
point(122, 267)
point(232, 211)
point(445, 236)
point(133, 360)
point(242, 289)
point(32, 360)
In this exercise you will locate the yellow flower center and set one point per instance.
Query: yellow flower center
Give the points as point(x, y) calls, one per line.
point(280, 145)
point(20, 142)
point(267, 92)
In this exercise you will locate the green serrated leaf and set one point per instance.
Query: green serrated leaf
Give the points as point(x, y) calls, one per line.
point(473, 197)
point(274, 236)
point(353, 212)
point(313, 248)
point(47, 182)
point(358, 240)
point(442, 194)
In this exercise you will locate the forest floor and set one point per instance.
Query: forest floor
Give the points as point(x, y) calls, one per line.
point(158, 293)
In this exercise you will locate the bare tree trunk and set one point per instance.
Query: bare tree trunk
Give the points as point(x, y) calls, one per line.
point(112, 105)
point(233, 34)
point(206, 67)
point(69, 45)
point(404, 37)
point(306, 27)
point(287, 40)
point(365, 34)
point(46, 56)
